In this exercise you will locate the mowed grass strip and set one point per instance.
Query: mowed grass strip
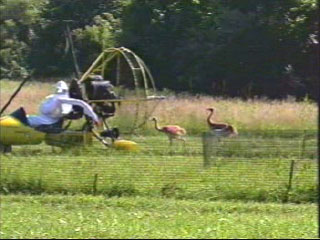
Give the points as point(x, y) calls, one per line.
point(84, 217)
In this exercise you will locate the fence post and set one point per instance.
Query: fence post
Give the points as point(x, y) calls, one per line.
point(303, 145)
point(208, 150)
point(286, 198)
point(205, 151)
point(95, 183)
point(302, 149)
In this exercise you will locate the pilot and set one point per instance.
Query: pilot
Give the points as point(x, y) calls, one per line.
point(58, 105)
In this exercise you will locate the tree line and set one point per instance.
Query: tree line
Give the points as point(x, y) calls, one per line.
point(226, 48)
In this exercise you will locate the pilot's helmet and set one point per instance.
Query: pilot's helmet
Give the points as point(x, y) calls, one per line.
point(61, 87)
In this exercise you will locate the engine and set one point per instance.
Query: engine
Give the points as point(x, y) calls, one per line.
point(101, 90)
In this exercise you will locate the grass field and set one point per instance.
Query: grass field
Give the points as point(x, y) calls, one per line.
point(94, 217)
point(232, 188)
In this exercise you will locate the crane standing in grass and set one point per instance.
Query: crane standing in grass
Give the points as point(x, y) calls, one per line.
point(221, 129)
point(172, 131)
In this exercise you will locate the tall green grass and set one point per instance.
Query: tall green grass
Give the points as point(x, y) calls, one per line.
point(240, 170)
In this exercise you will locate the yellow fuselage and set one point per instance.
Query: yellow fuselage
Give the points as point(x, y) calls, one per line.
point(13, 132)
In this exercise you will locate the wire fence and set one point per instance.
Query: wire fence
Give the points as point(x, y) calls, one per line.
point(278, 166)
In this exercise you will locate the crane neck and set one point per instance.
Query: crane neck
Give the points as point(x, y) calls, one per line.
point(209, 117)
point(156, 125)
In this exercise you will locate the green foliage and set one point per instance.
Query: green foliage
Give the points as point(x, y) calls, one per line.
point(91, 24)
point(92, 39)
point(227, 48)
point(17, 22)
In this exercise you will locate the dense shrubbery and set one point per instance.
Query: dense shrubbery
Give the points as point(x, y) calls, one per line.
point(227, 48)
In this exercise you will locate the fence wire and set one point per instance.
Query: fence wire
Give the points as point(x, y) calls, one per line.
point(276, 166)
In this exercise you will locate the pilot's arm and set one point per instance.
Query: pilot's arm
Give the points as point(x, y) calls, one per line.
point(87, 109)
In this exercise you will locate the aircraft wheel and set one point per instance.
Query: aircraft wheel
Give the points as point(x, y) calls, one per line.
point(5, 148)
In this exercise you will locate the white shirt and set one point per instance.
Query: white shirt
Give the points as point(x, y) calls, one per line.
point(56, 106)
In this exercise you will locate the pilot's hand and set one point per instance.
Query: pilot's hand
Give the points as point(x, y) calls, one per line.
point(98, 124)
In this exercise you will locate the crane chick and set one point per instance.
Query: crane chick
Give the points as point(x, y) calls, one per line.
point(221, 129)
point(172, 131)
